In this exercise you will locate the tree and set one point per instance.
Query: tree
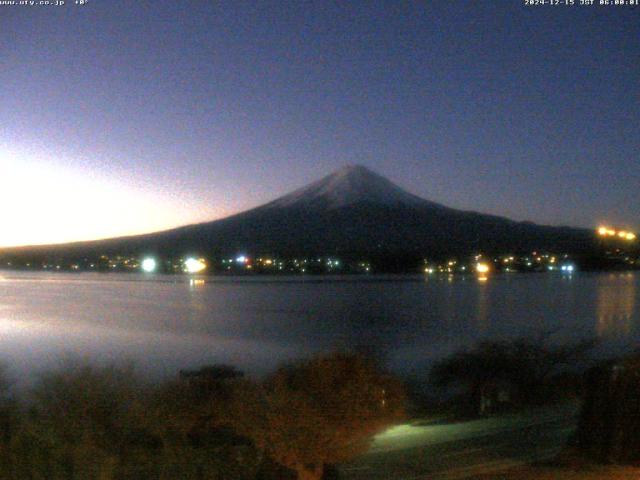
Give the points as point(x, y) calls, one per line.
point(8, 415)
point(82, 422)
point(524, 366)
point(322, 411)
point(609, 426)
point(193, 415)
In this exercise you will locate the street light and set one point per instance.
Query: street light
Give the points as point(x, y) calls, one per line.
point(149, 265)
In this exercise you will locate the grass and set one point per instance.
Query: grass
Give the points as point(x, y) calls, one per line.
point(567, 473)
point(568, 466)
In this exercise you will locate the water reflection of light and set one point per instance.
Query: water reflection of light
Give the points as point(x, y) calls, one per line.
point(616, 297)
point(196, 282)
point(483, 304)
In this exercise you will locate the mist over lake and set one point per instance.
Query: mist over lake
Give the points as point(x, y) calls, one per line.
point(166, 323)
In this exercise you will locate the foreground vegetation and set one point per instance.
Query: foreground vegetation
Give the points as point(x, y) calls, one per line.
point(84, 421)
point(495, 376)
point(570, 465)
point(102, 422)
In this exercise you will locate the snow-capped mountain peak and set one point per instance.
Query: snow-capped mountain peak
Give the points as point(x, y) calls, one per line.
point(350, 185)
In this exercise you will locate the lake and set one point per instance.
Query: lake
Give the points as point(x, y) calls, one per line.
point(165, 323)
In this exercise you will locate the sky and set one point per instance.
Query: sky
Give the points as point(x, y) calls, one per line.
point(120, 117)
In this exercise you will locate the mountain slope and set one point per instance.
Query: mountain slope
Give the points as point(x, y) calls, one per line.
point(352, 212)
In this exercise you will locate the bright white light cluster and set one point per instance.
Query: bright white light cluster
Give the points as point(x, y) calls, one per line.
point(482, 267)
point(149, 265)
point(194, 265)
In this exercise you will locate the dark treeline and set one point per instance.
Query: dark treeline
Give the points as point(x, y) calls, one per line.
point(383, 262)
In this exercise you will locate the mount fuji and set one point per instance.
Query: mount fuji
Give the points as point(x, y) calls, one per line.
point(351, 212)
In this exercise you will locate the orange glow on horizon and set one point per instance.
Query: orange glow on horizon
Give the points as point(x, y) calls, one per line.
point(45, 204)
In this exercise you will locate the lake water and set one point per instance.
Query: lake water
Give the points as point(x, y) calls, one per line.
point(165, 323)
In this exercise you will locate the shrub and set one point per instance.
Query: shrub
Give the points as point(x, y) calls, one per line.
point(521, 370)
point(323, 411)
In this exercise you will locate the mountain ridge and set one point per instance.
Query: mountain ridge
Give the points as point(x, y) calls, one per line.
point(352, 211)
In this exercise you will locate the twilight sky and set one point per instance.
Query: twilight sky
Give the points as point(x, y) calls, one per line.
point(123, 117)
